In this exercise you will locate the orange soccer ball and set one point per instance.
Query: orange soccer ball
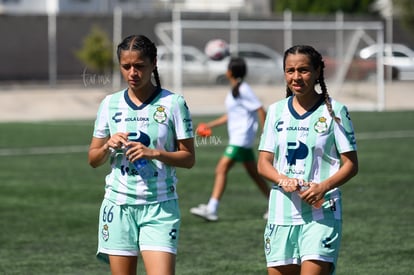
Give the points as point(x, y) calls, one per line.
point(203, 130)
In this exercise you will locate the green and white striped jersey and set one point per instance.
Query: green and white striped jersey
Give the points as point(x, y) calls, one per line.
point(158, 123)
point(307, 147)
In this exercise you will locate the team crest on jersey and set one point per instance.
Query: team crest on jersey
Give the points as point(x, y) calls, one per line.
point(321, 126)
point(105, 232)
point(267, 245)
point(160, 116)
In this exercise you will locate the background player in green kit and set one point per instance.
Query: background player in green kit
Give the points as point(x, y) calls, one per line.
point(139, 213)
point(307, 150)
point(244, 112)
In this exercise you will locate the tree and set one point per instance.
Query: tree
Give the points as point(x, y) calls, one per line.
point(405, 9)
point(323, 6)
point(96, 52)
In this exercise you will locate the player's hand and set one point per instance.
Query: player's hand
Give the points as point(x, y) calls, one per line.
point(137, 150)
point(117, 141)
point(312, 194)
point(289, 184)
point(203, 130)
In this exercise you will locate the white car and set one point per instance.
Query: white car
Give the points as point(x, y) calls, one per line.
point(195, 65)
point(401, 59)
point(263, 65)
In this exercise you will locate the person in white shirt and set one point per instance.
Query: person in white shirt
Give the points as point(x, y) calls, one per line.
point(244, 112)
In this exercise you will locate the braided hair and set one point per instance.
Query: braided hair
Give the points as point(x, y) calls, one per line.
point(317, 62)
point(237, 67)
point(145, 46)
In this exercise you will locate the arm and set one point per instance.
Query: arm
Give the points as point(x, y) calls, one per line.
point(268, 171)
point(348, 169)
point(99, 149)
point(184, 157)
point(217, 122)
point(261, 113)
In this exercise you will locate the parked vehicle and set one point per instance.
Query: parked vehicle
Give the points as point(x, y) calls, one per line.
point(264, 65)
point(195, 65)
point(358, 70)
point(398, 56)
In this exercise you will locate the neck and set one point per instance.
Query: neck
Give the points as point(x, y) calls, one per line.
point(143, 94)
point(234, 81)
point(305, 103)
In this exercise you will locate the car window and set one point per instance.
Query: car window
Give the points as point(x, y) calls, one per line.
point(250, 54)
point(399, 54)
point(169, 57)
point(394, 54)
point(166, 56)
point(188, 57)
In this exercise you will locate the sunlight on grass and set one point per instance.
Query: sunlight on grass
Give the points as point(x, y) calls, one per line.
point(51, 197)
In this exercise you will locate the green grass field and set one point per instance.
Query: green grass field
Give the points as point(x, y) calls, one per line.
point(50, 199)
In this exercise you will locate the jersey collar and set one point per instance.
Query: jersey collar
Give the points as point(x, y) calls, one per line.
point(148, 101)
point(305, 115)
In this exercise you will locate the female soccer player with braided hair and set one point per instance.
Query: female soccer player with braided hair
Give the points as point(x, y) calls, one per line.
point(307, 150)
point(144, 122)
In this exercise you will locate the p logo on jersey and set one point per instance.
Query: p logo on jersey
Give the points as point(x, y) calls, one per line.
point(140, 137)
point(296, 151)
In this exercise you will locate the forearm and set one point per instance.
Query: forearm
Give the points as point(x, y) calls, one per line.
point(267, 170)
point(344, 174)
point(217, 122)
point(271, 174)
point(98, 156)
point(261, 116)
point(181, 159)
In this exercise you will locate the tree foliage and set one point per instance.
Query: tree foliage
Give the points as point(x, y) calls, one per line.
point(402, 9)
point(323, 6)
point(405, 9)
point(96, 52)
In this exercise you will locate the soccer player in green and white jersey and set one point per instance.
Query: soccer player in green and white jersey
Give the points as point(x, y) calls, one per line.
point(143, 125)
point(307, 149)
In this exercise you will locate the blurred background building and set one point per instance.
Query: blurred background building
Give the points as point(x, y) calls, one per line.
point(131, 6)
point(41, 39)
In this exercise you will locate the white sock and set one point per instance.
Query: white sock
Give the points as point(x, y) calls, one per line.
point(213, 205)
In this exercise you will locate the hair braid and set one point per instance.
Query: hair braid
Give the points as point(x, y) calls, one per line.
point(288, 92)
point(235, 91)
point(157, 77)
point(238, 68)
point(327, 98)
